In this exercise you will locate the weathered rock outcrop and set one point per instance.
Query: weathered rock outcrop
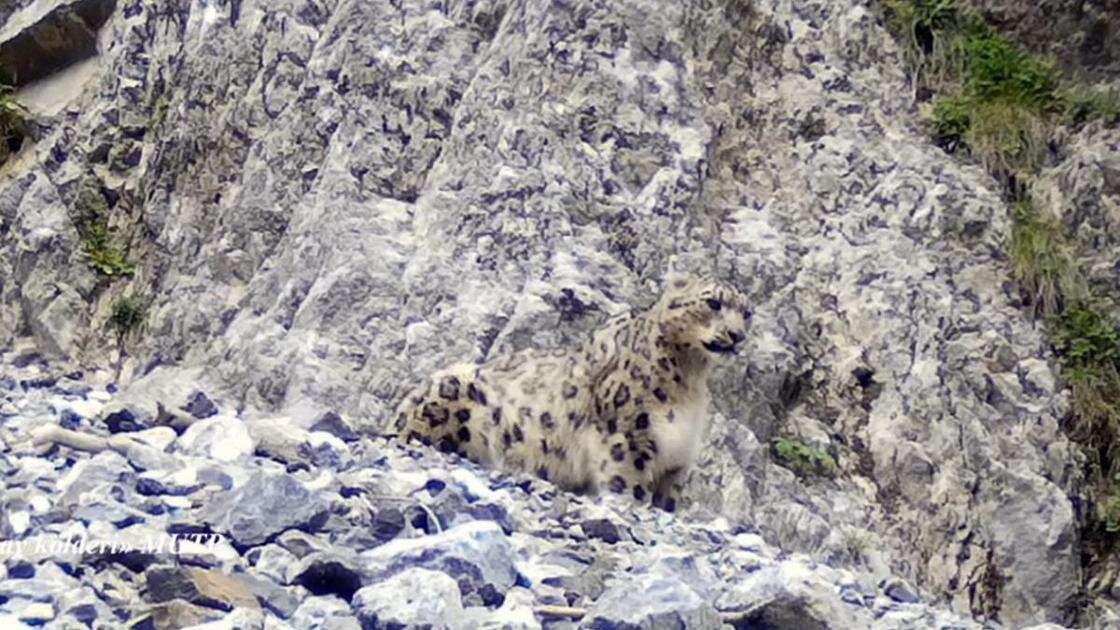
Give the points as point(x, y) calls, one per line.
point(324, 199)
point(1083, 191)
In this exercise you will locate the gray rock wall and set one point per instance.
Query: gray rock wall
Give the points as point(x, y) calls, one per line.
point(325, 200)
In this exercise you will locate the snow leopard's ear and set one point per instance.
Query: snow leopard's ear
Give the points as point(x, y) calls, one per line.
point(677, 280)
point(675, 276)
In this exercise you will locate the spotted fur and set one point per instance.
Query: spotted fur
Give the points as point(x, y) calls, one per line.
point(625, 412)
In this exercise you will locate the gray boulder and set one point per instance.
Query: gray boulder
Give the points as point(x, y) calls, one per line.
point(477, 554)
point(651, 602)
point(412, 598)
point(787, 596)
point(267, 505)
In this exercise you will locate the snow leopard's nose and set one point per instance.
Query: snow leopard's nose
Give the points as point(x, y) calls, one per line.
point(736, 337)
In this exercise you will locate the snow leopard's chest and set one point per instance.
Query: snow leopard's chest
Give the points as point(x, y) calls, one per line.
point(679, 441)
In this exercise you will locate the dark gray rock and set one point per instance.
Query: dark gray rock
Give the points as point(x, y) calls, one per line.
point(123, 421)
point(333, 423)
point(281, 601)
point(69, 420)
point(265, 506)
point(324, 450)
point(387, 523)
point(84, 613)
point(49, 35)
point(900, 591)
point(602, 529)
point(200, 406)
point(329, 573)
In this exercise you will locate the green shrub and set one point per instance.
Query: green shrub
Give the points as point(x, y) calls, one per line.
point(922, 21)
point(997, 69)
point(856, 543)
point(128, 312)
point(801, 458)
point(996, 97)
point(1087, 341)
point(1088, 345)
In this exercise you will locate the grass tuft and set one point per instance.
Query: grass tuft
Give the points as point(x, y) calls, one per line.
point(1084, 104)
point(952, 118)
point(997, 69)
point(1043, 261)
point(1088, 344)
point(997, 101)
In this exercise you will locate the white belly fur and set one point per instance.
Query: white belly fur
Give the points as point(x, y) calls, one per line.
point(678, 443)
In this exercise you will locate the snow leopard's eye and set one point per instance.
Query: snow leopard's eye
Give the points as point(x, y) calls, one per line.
point(714, 304)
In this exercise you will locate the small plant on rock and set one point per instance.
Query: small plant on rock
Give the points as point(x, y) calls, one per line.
point(1088, 104)
point(102, 253)
point(856, 544)
point(12, 124)
point(1088, 343)
point(128, 313)
point(802, 458)
point(1043, 261)
point(995, 68)
point(951, 121)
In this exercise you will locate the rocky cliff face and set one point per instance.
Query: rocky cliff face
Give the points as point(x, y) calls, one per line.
point(323, 200)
